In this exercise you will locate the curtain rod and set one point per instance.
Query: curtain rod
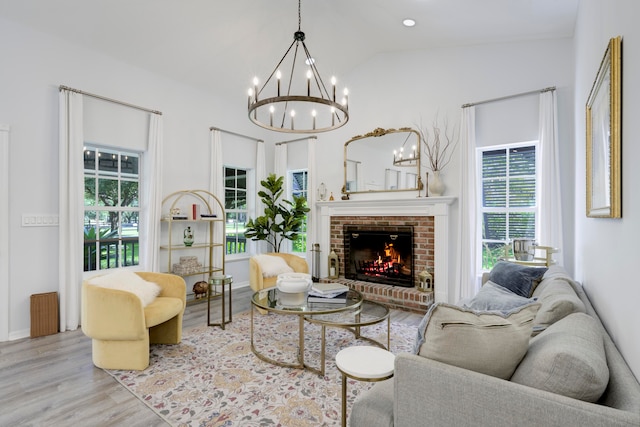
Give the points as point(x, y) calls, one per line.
point(236, 134)
point(115, 101)
point(296, 140)
point(486, 101)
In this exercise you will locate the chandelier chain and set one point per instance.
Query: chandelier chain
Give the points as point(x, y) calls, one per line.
point(299, 16)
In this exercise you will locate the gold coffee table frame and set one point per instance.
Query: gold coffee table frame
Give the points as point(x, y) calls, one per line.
point(366, 314)
point(351, 315)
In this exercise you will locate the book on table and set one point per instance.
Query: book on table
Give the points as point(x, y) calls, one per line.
point(329, 298)
point(323, 289)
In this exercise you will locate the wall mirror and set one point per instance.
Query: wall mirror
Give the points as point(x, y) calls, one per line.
point(382, 160)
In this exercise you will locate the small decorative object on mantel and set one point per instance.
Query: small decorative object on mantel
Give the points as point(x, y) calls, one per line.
point(322, 192)
point(439, 146)
point(331, 199)
point(425, 281)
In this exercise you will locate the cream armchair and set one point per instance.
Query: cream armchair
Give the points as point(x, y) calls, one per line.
point(121, 328)
point(257, 281)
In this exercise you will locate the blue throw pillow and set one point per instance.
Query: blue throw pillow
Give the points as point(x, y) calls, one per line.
point(493, 297)
point(519, 279)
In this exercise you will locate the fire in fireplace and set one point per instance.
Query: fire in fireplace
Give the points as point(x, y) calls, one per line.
point(379, 254)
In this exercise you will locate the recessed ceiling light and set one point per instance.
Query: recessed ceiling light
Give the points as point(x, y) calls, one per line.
point(310, 61)
point(408, 22)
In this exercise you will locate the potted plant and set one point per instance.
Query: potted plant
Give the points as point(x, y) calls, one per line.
point(438, 147)
point(282, 219)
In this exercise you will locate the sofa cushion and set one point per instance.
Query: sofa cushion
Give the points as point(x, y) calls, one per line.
point(494, 297)
point(519, 279)
point(489, 342)
point(129, 281)
point(557, 300)
point(271, 265)
point(568, 359)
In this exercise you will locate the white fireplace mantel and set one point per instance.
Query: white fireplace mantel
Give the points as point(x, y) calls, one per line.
point(438, 207)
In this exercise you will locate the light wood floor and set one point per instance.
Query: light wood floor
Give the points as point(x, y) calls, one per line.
point(51, 381)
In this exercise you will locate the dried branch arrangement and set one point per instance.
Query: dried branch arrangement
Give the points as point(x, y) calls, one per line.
point(439, 145)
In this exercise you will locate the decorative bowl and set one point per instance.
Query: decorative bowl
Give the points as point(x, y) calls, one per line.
point(293, 289)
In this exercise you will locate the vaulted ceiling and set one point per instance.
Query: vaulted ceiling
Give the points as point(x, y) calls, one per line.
point(219, 45)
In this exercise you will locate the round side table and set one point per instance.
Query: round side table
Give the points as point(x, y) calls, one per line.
point(363, 363)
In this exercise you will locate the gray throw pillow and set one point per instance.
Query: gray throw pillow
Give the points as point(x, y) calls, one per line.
point(488, 342)
point(568, 359)
point(519, 279)
point(557, 299)
point(493, 297)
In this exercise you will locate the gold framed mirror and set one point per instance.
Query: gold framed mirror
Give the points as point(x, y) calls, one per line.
point(382, 160)
point(603, 117)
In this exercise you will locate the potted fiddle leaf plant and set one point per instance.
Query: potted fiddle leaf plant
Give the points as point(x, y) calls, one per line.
point(282, 219)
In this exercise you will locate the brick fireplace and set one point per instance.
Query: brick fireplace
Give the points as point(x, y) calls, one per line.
point(429, 218)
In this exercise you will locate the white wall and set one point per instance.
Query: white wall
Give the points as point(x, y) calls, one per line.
point(33, 66)
point(407, 88)
point(607, 249)
point(390, 90)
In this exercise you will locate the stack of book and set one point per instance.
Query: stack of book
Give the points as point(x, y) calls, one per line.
point(328, 292)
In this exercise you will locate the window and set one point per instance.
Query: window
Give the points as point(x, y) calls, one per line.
point(235, 205)
point(509, 197)
point(299, 180)
point(111, 208)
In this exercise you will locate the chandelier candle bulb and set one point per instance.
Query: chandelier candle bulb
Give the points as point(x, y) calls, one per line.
point(309, 74)
point(278, 77)
point(271, 110)
point(255, 88)
point(313, 114)
point(293, 114)
point(333, 83)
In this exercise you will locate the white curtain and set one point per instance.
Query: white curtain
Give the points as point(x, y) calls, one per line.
point(280, 160)
point(151, 195)
point(216, 183)
point(311, 196)
point(71, 208)
point(550, 226)
point(261, 172)
point(469, 226)
point(261, 175)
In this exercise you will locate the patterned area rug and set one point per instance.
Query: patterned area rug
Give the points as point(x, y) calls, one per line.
point(213, 378)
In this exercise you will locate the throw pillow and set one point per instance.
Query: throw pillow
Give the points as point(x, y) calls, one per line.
point(493, 297)
point(568, 359)
point(519, 279)
point(125, 280)
point(272, 265)
point(557, 300)
point(492, 343)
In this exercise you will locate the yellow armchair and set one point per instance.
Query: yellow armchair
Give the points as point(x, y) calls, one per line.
point(121, 329)
point(257, 281)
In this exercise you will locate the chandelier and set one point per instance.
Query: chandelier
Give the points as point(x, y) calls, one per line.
point(410, 158)
point(303, 104)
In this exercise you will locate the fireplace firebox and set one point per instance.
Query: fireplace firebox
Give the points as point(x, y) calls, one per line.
point(379, 254)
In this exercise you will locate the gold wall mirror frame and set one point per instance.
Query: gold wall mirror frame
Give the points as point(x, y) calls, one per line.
point(370, 164)
point(603, 120)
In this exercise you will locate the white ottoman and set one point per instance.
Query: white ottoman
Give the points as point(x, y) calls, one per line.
point(363, 363)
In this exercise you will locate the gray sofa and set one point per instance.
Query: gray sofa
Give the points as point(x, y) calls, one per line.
point(425, 392)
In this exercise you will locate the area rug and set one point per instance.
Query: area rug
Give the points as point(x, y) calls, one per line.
point(213, 378)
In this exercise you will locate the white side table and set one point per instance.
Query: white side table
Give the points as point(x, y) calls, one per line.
point(363, 363)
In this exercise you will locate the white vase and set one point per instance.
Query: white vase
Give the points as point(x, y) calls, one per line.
point(436, 186)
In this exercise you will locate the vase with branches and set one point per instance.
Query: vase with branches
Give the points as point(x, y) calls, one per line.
point(282, 219)
point(439, 145)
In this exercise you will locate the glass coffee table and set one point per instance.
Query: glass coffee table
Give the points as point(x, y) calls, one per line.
point(352, 315)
